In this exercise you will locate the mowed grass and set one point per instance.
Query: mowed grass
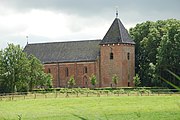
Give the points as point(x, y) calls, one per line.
point(93, 108)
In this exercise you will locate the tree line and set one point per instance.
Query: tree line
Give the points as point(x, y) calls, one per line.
point(157, 51)
point(20, 72)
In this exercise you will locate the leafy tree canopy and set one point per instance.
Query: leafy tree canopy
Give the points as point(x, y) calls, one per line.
point(18, 72)
point(157, 49)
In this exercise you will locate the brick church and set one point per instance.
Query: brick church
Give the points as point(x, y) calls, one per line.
point(114, 54)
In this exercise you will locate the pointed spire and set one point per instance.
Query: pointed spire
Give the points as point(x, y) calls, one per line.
point(117, 34)
point(27, 39)
point(116, 12)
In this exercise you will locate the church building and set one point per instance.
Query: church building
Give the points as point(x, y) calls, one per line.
point(113, 55)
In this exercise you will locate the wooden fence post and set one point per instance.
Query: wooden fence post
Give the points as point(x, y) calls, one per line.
point(87, 94)
point(35, 96)
point(77, 94)
point(67, 94)
point(56, 94)
point(98, 94)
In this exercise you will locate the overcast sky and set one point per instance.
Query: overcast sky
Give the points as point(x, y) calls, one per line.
point(69, 20)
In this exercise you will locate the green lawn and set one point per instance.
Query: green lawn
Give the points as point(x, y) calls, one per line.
point(93, 108)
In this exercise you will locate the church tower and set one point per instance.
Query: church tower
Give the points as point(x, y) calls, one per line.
point(117, 51)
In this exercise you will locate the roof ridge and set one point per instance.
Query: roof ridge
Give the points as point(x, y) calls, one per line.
point(120, 23)
point(120, 30)
point(72, 41)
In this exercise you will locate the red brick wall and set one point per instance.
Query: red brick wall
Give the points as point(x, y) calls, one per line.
point(120, 65)
point(75, 69)
point(54, 72)
point(103, 68)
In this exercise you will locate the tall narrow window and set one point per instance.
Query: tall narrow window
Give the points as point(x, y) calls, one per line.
point(128, 55)
point(128, 84)
point(49, 70)
point(111, 56)
point(66, 72)
point(85, 70)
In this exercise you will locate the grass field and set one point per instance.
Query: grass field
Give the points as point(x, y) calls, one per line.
point(93, 108)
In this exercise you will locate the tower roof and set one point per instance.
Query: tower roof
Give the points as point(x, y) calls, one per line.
point(117, 33)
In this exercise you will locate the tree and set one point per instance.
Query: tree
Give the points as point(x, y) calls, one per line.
point(93, 80)
point(136, 80)
point(168, 53)
point(18, 72)
point(115, 79)
point(71, 82)
point(44, 80)
point(147, 38)
point(35, 68)
point(16, 68)
point(1, 72)
point(157, 48)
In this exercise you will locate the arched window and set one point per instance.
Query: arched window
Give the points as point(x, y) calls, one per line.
point(85, 70)
point(66, 72)
point(111, 56)
point(128, 55)
point(85, 82)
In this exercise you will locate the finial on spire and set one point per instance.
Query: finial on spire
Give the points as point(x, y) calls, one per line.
point(116, 11)
point(27, 40)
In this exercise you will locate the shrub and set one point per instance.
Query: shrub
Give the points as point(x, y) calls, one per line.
point(71, 82)
point(115, 79)
point(93, 80)
point(136, 80)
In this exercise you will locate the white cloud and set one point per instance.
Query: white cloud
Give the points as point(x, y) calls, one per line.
point(50, 25)
point(46, 23)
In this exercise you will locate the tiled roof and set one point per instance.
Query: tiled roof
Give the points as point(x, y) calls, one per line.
point(73, 51)
point(117, 34)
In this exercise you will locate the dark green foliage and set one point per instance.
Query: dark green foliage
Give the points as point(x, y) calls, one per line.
point(35, 66)
point(1, 72)
point(44, 80)
point(15, 69)
point(170, 83)
point(19, 72)
point(157, 49)
point(38, 77)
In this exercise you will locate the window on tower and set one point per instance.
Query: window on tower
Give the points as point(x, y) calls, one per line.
point(128, 84)
point(49, 70)
point(128, 55)
point(66, 72)
point(85, 70)
point(111, 56)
